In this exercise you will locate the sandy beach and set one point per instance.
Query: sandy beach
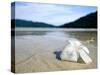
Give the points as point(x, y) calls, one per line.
point(39, 51)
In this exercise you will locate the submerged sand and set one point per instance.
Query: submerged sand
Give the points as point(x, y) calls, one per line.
point(39, 53)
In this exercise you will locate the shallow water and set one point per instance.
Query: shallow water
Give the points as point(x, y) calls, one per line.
point(82, 35)
point(39, 46)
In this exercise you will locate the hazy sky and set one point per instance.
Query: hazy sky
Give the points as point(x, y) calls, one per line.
point(55, 14)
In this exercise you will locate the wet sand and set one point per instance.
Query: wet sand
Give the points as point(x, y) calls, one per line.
point(39, 53)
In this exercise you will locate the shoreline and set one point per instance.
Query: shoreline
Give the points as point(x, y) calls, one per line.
point(54, 29)
point(36, 53)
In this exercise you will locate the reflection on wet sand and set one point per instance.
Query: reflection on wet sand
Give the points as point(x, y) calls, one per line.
point(39, 51)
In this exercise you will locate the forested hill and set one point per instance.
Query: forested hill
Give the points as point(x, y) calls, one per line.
point(24, 23)
point(88, 21)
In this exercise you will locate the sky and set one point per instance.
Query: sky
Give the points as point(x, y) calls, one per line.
point(55, 14)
